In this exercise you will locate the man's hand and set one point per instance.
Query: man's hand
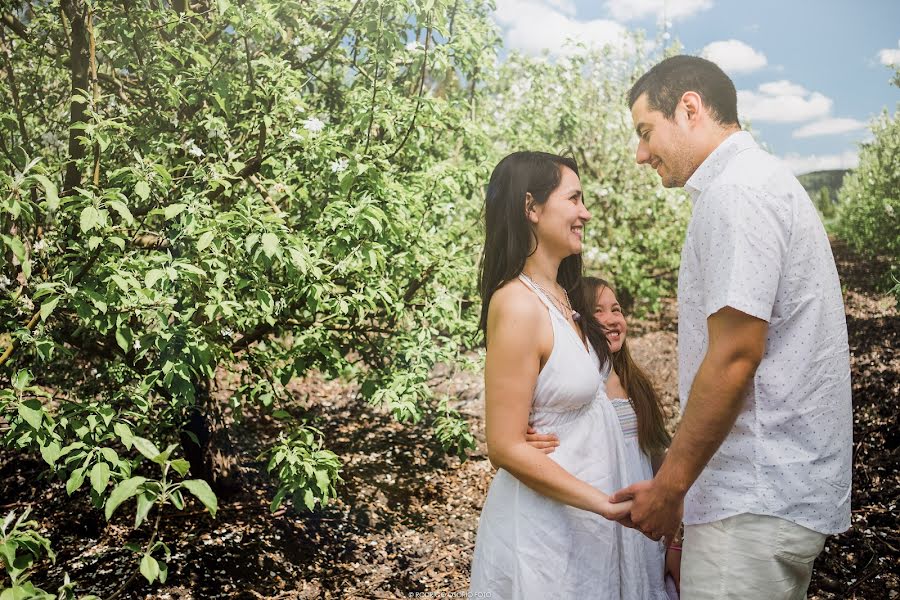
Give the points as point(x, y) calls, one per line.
point(656, 511)
point(546, 443)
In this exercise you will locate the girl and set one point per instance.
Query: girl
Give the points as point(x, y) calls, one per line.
point(635, 400)
point(547, 529)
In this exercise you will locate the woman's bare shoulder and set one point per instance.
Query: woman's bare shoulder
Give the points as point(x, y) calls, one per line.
point(514, 300)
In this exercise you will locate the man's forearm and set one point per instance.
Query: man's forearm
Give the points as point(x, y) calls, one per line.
point(715, 401)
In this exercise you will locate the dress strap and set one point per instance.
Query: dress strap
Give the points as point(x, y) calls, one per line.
point(553, 308)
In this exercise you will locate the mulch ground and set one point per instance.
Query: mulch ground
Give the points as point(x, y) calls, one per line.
point(405, 523)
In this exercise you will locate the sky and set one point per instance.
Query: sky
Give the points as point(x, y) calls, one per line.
point(810, 74)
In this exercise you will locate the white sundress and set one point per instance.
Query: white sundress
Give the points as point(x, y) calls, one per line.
point(529, 546)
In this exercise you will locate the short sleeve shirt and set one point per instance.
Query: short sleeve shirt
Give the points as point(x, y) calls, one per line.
point(755, 243)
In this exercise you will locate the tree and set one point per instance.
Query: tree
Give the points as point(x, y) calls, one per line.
point(192, 191)
point(869, 214)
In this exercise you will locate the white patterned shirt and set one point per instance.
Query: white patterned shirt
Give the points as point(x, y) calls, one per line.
point(755, 243)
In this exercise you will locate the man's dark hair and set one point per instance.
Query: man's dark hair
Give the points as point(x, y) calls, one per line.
point(667, 82)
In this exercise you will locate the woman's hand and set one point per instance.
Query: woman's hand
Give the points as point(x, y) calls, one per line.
point(546, 443)
point(673, 565)
point(619, 511)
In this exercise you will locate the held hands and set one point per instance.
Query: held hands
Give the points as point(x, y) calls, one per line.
point(655, 510)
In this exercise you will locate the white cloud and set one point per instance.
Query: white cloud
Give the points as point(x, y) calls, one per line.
point(734, 56)
point(534, 25)
point(818, 162)
point(627, 10)
point(782, 87)
point(890, 56)
point(829, 126)
point(567, 7)
point(782, 102)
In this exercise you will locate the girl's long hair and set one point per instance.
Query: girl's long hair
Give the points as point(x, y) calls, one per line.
point(652, 435)
point(508, 236)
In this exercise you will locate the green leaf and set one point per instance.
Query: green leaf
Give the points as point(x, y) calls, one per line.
point(149, 568)
point(75, 480)
point(173, 210)
point(100, 477)
point(32, 412)
point(204, 493)
point(146, 447)
point(110, 456)
point(177, 499)
point(181, 466)
point(47, 307)
point(205, 240)
point(50, 190)
point(144, 504)
point(122, 209)
point(309, 499)
point(22, 379)
point(94, 241)
point(121, 493)
point(124, 432)
point(142, 190)
point(90, 216)
point(152, 276)
point(51, 453)
point(270, 244)
point(17, 247)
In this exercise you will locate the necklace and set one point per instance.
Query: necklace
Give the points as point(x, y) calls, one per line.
point(576, 316)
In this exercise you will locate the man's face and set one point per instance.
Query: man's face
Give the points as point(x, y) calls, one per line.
point(664, 145)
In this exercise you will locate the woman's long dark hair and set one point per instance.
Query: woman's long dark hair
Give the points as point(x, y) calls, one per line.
point(652, 435)
point(508, 236)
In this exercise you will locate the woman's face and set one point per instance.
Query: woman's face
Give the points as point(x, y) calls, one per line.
point(559, 222)
point(609, 314)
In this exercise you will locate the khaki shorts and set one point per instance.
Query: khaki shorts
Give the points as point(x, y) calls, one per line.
point(748, 556)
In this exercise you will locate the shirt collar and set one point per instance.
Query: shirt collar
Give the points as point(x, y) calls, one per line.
point(716, 162)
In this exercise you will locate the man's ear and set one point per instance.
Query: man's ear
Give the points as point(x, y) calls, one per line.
point(692, 103)
point(530, 211)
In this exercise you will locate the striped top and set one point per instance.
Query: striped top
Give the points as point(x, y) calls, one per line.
point(627, 418)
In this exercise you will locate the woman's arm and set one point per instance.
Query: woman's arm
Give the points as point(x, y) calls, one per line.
point(511, 371)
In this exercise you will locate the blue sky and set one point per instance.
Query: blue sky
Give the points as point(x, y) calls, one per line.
point(810, 74)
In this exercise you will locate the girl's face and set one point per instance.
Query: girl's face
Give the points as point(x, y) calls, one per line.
point(559, 222)
point(609, 314)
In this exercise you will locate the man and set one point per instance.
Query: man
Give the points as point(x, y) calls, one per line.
point(762, 458)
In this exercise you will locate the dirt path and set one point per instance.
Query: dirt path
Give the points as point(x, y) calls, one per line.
point(407, 515)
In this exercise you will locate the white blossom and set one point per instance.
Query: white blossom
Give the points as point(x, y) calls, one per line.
point(294, 135)
point(889, 209)
point(313, 124)
point(137, 344)
point(228, 332)
point(304, 53)
point(4, 282)
point(26, 302)
point(339, 165)
point(193, 149)
point(39, 246)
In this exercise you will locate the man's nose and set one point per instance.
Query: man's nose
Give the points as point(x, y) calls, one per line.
point(643, 153)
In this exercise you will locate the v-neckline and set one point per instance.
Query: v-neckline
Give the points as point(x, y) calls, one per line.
point(585, 344)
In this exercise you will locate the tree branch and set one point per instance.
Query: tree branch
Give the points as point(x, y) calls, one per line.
point(412, 123)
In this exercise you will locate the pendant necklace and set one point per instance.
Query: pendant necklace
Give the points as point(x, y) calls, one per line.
point(576, 316)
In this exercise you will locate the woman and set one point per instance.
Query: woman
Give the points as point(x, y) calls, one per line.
point(547, 529)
